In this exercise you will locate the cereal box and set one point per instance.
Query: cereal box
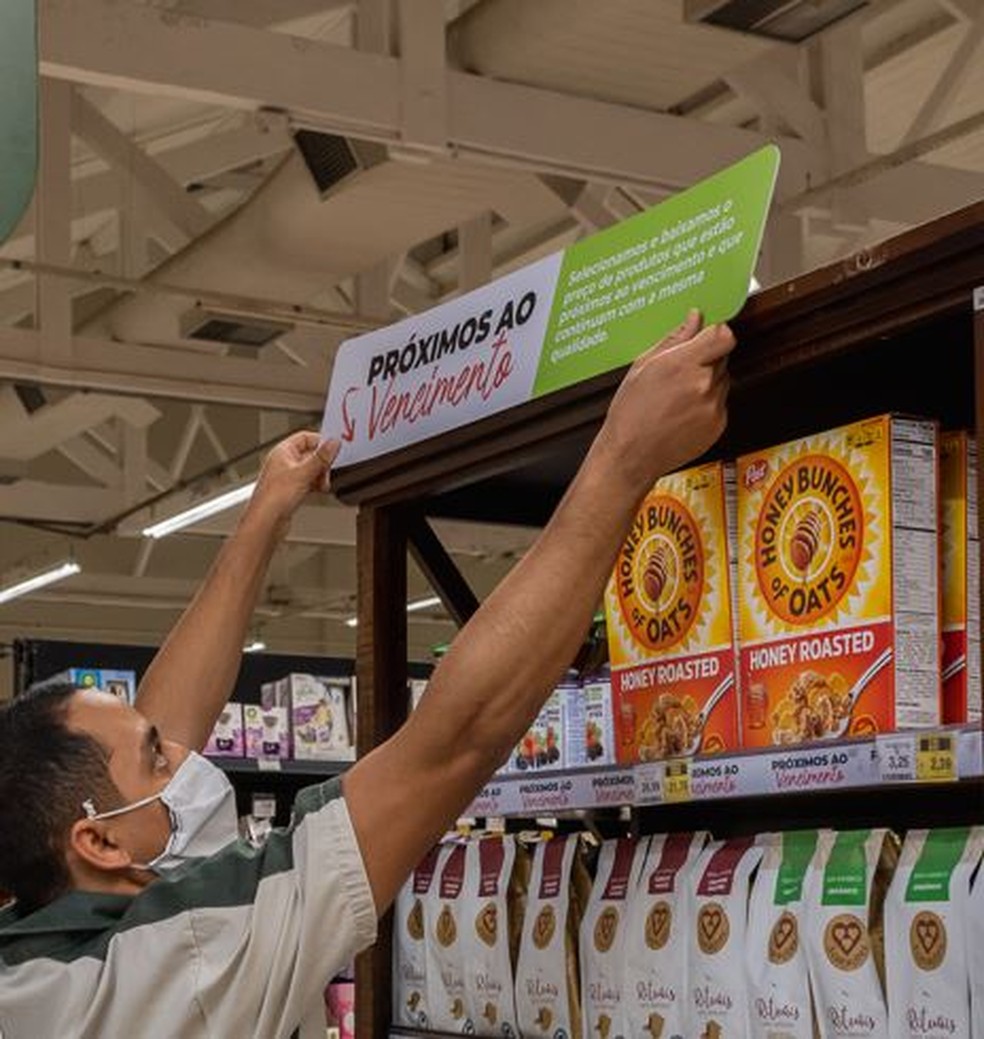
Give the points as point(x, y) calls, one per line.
point(670, 615)
point(545, 745)
point(266, 731)
point(961, 560)
point(227, 740)
point(839, 585)
point(599, 723)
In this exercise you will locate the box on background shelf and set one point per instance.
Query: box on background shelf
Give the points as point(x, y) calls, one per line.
point(122, 684)
point(961, 560)
point(669, 609)
point(228, 738)
point(318, 709)
point(545, 745)
point(839, 584)
point(266, 730)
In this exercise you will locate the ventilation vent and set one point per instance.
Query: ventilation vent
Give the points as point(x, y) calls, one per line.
point(231, 329)
point(329, 158)
point(791, 20)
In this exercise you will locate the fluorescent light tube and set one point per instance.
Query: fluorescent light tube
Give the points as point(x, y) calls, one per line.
point(42, 580)
point(412, 607)
point(200, 511)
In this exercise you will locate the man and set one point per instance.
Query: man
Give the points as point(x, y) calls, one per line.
point(99, 802)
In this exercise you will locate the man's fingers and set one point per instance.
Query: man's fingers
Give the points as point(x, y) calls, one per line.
point(327, 452)
point(712, 344)
point(690, 327)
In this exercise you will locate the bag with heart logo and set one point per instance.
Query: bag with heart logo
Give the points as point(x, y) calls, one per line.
point(445, 924)
point(547, 998)
point(493, 879)
point(656, 941)
point(721, 887)
point(602, 941)
point(926, 934)
point(975, 928)
point(410, 947)
point(845, 894)
point(780, 1006)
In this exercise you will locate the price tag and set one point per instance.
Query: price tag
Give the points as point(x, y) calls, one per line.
point(676, 781)
point(936, 758)
point(268, 764)
point(896, 759)
point(979, 298)
point(649, 783)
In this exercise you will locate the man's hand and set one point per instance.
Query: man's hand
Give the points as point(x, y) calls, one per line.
point(292, 470)
point(672, 405)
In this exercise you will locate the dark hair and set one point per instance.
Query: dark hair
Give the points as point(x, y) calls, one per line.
point(46, 772)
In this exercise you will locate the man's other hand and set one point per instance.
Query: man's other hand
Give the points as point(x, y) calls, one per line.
point(292, 470)
point(672, 405)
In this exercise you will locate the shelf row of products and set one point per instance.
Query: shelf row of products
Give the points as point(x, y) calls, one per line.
point(781, 936)
point(821, 590)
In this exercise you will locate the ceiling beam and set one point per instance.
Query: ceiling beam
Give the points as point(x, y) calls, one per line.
point(142, 49)
point(258, 13)
point(136, 370)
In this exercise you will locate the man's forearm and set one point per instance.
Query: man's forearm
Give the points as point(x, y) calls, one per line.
point(193, 674)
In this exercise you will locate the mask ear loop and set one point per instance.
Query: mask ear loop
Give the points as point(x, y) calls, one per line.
point(90, 809)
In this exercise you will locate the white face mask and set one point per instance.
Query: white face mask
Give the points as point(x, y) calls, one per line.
point(202, 805)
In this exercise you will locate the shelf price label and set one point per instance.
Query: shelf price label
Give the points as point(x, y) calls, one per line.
point(936, 758)
point(676, 782)
point(268, 764)
point(649, 783)
point(896, 759)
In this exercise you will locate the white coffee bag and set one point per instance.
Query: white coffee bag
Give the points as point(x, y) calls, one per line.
point(975, 941)
point(926, 934)
point(445, 925)
point(602, 941)
point(547, 1002)
point(779, 1000)
point(656, 989)
point(410, 947)
point(489, 985)
point(845, 892)
point(721, 887)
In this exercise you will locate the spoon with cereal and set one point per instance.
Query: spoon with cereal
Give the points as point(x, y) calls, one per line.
point(697, 730)
point(878, 664)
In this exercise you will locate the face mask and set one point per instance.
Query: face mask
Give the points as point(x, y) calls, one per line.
point(202, 805)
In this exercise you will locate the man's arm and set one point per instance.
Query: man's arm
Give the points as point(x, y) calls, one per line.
point(193, 674)
point(503, 665)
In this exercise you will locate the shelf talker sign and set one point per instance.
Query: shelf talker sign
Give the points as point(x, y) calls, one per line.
point(573, 315)
point(19, 112)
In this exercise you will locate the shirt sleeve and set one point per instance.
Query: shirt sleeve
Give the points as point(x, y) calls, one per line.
point(271, 926)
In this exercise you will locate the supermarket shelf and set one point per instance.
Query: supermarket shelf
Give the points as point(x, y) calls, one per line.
point(276, 766)
point(944, 755)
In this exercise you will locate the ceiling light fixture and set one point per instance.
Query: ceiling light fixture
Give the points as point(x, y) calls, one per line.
point(412, 607)
point(254, 646)
point(201, 511)
point(42, 580)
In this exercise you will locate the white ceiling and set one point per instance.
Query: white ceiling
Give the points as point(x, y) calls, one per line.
point(169, 169)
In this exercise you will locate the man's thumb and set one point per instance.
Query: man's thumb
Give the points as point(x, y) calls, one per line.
point(325, 454)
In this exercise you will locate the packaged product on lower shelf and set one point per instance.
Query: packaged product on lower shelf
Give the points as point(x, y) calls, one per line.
point(669, 608)
point(839, 584)
point(495, 883)
point(445, 926)
point(961, 560)
point(547, 997)
point(318, 712)
point(227, 739)
point(658, 938)
point(975, 945)
point(927, 942)
point(844, 934)
point(410, 947)
point(778, 977)
point(603, 994)
point(266, 731)
point(721, 887)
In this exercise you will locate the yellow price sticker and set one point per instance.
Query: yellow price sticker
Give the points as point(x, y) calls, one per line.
point(936, 759)
point(676, 781)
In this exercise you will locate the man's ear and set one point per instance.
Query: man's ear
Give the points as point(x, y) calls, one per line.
point(94, 843)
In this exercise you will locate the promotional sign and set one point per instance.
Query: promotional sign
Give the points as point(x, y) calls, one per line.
point(590, 309)
point(19, 113)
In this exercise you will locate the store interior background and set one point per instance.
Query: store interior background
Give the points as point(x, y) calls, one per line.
point(240, 186)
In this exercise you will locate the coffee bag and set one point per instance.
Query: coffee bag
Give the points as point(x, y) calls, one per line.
point(602, 941)
point(410, 948)
point(721, 885)
point(926, 934)
point(975, 927)
point(845, 894)
point(780, 1006)
point(657, 939)
point(445, 924)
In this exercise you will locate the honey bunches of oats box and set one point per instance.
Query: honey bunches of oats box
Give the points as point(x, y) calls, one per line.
point(839, 584)
point(961, 560)
point(670, 619)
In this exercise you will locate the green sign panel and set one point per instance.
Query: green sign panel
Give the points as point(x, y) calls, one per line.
point(18, 111)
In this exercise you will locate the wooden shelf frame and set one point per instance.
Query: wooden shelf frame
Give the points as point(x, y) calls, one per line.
point(803, 335)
